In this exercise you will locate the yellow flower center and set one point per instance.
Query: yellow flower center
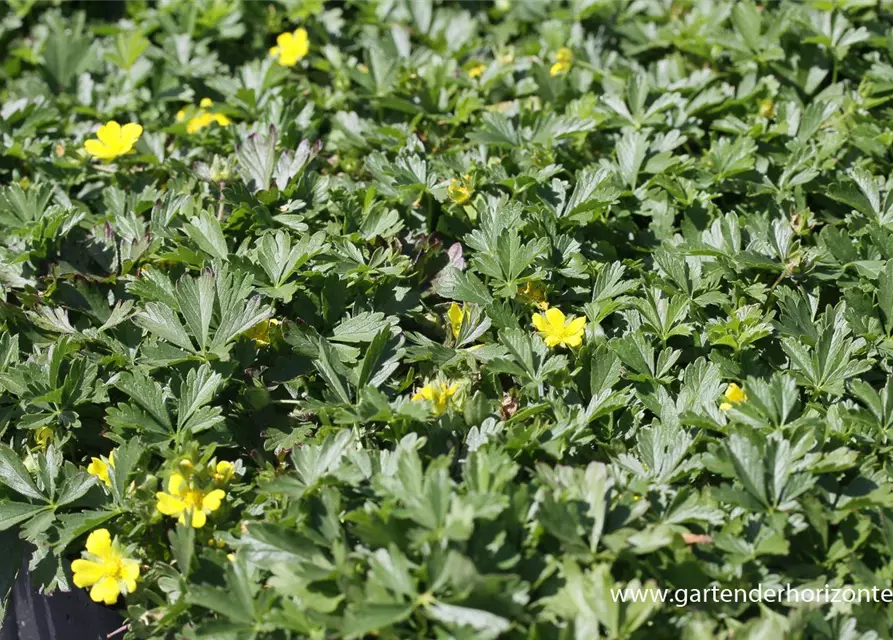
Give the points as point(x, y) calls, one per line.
point(193, 498)
point(112, 566)
point(460, 191)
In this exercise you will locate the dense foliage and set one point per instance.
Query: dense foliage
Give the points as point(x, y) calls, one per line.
point(440, 320)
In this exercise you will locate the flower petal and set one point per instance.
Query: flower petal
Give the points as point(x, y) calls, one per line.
point(301, 43)
point(211, 502)
point(86, 573)
point(99, 543)
point(455, 314)
point(106, 590)
point(198, 519)
point(98, 468)
point(539, 321)
point(577, 325)
point(224, 468)
point(130, 573)
point(425, 393)
point(98, 149)
point(574, 340)
point(130, 133)
point(175, 484)
point(109, 133)
point(555, 317)
point(169, 505)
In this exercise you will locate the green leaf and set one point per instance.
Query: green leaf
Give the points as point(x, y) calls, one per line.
point(269, 545)
point(236, 601)
point(128, 48)
point(205, 231)
point(182, 540)
point(12, 513)
point(197, 391)
point(256, 156)
point(362, 327)
point(163, 322)
point(486, 624)
point(373, 617)
point(631, 150)
point(462, 286)
point(74, 525)
point(14, 475)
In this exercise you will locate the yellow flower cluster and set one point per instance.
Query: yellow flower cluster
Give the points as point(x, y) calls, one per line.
point(533, 292)
point(733, 395)
point(260, 332)
point(438, 394)
point(291, 47)
point(202, 117)
point(113, 140)
point(105, 568)
point(460, 191)
point(99, 467)
point(564, 59)
point(188, 500)
point(559, 330)
point(477, 71)
point(44, 436)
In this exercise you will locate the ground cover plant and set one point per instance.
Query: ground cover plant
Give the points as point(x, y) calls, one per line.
point(441, 320)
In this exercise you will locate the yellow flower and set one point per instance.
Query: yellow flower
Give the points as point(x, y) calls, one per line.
point(203, 118)
point(535, 294)
point(460, 192)
point(113, 140)
point(563, 61)
point(100, 468)
point(44, 436)
point(105, 568)
point(559, 330)
point(455, 315)
point(291, 47)
point(733, 395)
point(438, 394)
point(260, 332)
point(183, 498)
point(223, 472)
point(477, 71)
